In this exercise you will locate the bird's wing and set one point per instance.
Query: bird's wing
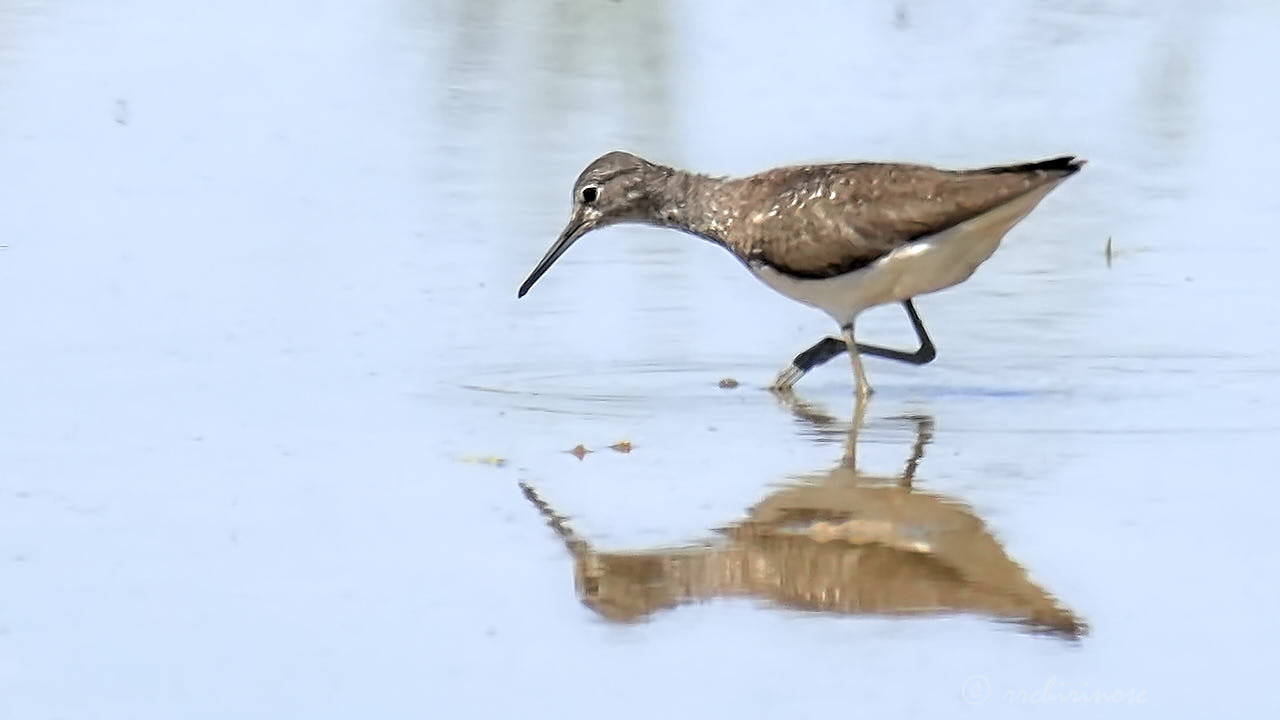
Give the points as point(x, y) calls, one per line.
point(830, 220)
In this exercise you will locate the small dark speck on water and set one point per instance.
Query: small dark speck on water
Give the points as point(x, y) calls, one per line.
point(579, 451)
point(900, 18)
point(622, 447)
point(1108, 252)
point(728, 383)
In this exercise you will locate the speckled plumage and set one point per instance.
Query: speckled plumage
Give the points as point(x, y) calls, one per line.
point(825, 220)
point(841, 237)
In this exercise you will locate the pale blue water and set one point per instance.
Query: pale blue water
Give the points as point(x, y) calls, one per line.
point(258, 324)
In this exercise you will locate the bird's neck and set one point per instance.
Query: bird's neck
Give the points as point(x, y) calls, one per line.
point(695, 204)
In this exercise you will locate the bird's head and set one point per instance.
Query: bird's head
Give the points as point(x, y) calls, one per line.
point(615, 188)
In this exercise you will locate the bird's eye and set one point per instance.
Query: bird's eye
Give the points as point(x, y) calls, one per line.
point(589, 194)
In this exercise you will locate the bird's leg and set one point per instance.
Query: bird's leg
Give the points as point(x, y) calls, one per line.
point(924, 435)
point(829, 347)
point(822, 351)
point(850, 459)
point(859, 375)
point(924, 355)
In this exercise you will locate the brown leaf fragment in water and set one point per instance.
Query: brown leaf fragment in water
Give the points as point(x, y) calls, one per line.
point(622, 447)
point(728, 383)
point(579, 451)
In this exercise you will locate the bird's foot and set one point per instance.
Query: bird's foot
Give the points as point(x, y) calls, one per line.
point(787, 378)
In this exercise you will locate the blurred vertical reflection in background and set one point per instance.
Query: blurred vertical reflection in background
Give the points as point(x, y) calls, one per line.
point(258, 267)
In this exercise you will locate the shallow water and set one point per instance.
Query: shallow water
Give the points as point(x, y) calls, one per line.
point(279, 440)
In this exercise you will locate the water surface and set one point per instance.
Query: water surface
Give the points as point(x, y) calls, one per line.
point(278, 438)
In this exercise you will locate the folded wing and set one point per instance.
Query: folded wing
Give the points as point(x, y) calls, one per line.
point(829, 223)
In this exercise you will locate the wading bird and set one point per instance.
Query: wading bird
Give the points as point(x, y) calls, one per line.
point(841, 237)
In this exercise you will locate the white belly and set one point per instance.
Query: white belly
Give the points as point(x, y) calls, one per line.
point(923, 266)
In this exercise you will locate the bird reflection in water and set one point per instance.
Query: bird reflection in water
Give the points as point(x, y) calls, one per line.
point(842, 542)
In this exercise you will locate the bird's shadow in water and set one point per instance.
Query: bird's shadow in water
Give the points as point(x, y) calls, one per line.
point(840, 541)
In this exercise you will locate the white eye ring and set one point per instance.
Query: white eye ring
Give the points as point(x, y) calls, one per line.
point(590, 193)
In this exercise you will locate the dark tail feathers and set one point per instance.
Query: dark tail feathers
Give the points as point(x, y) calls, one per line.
point(1068, 164)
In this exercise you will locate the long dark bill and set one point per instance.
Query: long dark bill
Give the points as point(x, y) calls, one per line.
point(575, 230)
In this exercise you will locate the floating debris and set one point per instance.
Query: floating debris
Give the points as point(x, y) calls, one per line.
point(579, 451)
point(1111, 252)
point(728, 383)
point(622, 447)
point(492, 460)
